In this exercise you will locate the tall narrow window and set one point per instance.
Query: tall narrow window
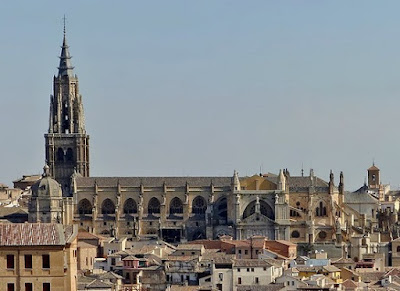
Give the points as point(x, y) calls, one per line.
point(10, 261)
point(46, 261)
point(46, 286)
point(10, 287)
point(28, 261)
point(28, 287)
point(239, 281)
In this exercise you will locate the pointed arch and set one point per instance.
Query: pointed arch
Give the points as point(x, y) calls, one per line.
point(60, 155)
point(69, 156)
point(221, 209)
point(199, 205)
point(153, 206)
point(107, 207)
point(320, 210)
point(85, 207)
point(130, 206)
point(176, 206)
point(265, 210)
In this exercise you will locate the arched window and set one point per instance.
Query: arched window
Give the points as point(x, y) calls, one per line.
point(84, 207)
point(175, 206)
point(265, 210)
point(154, 206)
point(320, 210)
point(69, 156)
point(107, 207)
point(295, 234)
point(130, 206)
point(60, 155)
point(221, 209)
point(322, 235)
point(199, 205)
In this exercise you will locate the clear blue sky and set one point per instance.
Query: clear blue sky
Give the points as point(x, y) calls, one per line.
point(206, 87)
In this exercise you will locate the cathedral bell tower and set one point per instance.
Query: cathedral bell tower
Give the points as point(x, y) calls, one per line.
point(67, 144)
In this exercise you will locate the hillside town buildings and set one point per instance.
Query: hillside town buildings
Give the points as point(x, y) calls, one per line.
point(269, 231)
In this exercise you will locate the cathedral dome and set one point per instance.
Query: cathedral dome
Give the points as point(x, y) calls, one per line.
point(47, 186)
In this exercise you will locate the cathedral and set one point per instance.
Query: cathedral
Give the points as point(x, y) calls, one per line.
point(304, 209)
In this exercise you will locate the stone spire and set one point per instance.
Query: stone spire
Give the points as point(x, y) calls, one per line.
point(341, 183)
point(67, 144)
point(331, 182)
point(236, 182)
point(65, 68)
point(281, 181)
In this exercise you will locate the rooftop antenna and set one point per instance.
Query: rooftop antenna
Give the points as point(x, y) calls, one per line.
point(302, 170)
point(373, 161)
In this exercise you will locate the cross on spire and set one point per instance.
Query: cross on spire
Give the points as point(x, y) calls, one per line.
point(64, 20)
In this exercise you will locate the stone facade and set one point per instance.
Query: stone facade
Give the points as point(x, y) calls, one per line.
point(189, 208)
point(39, 256)
point(302, 209)
point(67, 144)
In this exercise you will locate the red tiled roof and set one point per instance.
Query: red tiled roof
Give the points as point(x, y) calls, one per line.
point(83, 234)
point(31, 234)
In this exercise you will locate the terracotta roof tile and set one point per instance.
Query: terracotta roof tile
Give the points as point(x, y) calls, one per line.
point(31, 234)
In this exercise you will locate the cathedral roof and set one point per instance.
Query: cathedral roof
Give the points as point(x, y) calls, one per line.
point(298, 182)
point(356, 197)
point(153, 181)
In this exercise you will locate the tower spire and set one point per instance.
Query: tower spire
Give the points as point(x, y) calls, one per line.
point(65, 68)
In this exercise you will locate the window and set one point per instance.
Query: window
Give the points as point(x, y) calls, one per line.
point(153, 206)
point(221, 276)
point(10, 261)
point(46, 286)
point(252, 269)
point(265, 268)
point(257, 281)
point(239, 281)
point(199, 205)
point(295, 234)
point(10, 287)
point(28, 261)
point(28, 287)
point(238, 269)
point(239, 251)
point(46, 261)
point(246, 252)
point(248, 269)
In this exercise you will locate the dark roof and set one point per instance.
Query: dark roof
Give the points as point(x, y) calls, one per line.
point(6, 211)
point(33, 234)
point(269, 287)
point(300, 182)
point(250, 263)
point(355, 198)
point(153, 181)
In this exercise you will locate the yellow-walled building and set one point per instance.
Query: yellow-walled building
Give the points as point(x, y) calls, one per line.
point(38, 256)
